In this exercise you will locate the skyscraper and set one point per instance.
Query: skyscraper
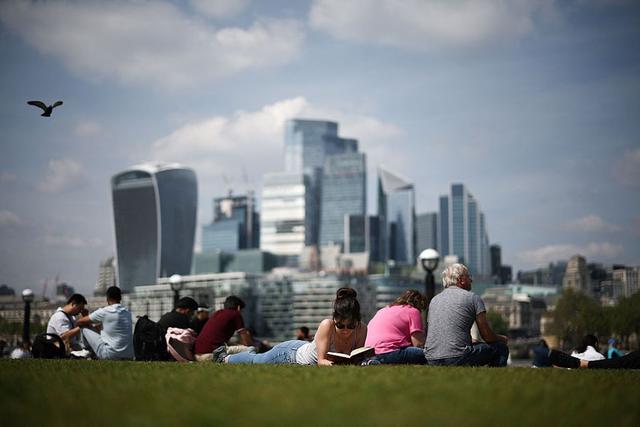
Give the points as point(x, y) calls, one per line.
point(463, 231)
point(235, 225)
point(396, 211)
point(426, 231)
point(287, 204)
point(307, 145)
point(343, 194)
point(154, 209)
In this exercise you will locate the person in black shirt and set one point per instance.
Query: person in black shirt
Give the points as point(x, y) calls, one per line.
point(179, 317)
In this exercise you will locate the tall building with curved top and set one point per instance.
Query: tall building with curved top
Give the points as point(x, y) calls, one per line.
point(154, 212)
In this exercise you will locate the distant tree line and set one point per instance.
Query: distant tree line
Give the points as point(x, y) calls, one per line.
point(577, 314)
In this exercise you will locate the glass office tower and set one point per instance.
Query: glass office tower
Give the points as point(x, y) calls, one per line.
point(235, 225)
point(463, 230)
point(306, 147)
point(286, 207)
point(426, 231)
point(396, 212)
point(343, 194)
point(154, 210)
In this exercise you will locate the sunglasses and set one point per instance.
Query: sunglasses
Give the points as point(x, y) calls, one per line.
point(341, 325)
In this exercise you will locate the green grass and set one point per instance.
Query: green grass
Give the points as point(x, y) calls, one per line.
point(92, 393)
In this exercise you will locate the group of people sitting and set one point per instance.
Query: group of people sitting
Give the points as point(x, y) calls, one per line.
point(396, 332)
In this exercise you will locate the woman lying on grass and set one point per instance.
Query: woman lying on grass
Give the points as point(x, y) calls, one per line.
point(396, 331)
point(342, 333)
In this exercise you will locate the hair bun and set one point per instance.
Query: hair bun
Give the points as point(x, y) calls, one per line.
point(346, 293)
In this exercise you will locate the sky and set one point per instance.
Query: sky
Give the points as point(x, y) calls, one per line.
point(534, 105)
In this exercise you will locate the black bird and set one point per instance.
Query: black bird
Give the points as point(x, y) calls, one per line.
point(47, 110)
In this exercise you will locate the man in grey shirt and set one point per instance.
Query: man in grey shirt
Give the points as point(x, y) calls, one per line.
point(115, 341)
point(450, 318)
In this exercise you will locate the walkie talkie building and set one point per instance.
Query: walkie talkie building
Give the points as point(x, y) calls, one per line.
point(154, 211)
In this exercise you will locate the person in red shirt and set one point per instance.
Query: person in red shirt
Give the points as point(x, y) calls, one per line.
point(220, 328)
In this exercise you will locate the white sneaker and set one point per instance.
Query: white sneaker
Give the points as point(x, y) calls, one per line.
point(81, 354)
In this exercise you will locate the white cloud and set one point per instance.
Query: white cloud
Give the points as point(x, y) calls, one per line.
point(87, 129)
point(148, 43)
point(7, 177)
point(603, 251)
point(8, 219)
point(62, 175)
point(627, 170)
point(427, 24)
point(219, 9)
point(72, 242)
point(589, 224)
point(254, 142)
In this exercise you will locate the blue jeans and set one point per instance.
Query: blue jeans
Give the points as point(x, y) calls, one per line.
point(403, 356)
point(479, 354)
point(283, 353)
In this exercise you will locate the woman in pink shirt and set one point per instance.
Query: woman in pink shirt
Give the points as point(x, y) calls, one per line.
point(397, 331)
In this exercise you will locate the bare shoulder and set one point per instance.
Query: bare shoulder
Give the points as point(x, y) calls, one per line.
point(325, 325)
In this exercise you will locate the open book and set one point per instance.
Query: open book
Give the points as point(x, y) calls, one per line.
point(353, 358)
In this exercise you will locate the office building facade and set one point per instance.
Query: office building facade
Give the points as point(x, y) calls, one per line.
point(154, 208)
point(344, 194)
point(396, 212)
point(308, 143)
point(426, 231)
point(463, 230)
point(235, 225)
point(287, 211)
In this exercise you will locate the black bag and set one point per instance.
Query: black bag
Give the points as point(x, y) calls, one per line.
point(148, 340)
point(48, 346)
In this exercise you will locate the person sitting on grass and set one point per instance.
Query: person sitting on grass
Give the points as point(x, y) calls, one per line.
point(115, 341)
point(342, 333)
point(613, 351)
point(179, 317)
point(302, 334)
point(396, 331)
point(200, 319)
point(63, 322)
point(588, 349)
point(563, 360)
point(541, 355)
point(450, 317)
point(219, 329)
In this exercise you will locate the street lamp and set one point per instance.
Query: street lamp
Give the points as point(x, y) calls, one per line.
point(429, 259)
point(176, 286)
point(27, 297)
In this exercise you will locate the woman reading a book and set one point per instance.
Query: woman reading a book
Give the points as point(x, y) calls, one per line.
point(343, 333)
point(397, 332)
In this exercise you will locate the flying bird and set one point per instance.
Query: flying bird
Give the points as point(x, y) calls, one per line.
point(47, 109)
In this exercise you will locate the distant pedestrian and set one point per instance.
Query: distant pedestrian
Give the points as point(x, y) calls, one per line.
point(115, 341)
point(588, 349)
point(450, 317)
point(199, 320)
point(396, 331)
point(613, 351)
point(541, 355)
point(302, 333)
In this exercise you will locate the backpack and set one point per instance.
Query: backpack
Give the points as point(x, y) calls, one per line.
point(48, 346)
point(180, 344)
point(148, 342)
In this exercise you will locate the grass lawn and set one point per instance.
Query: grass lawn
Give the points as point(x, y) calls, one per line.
point(93, 393)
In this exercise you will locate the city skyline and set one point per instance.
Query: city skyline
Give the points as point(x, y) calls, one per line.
point(532, 105)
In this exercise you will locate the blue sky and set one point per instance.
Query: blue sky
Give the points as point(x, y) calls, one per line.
point(534, 105)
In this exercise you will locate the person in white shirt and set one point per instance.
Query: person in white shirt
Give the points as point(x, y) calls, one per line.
point(588, 349)
point(63, 321)
point(115, 341)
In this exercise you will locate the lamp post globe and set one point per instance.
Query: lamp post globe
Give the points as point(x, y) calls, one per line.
point(27, 297)
point(175, 281)
point(429, 259)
